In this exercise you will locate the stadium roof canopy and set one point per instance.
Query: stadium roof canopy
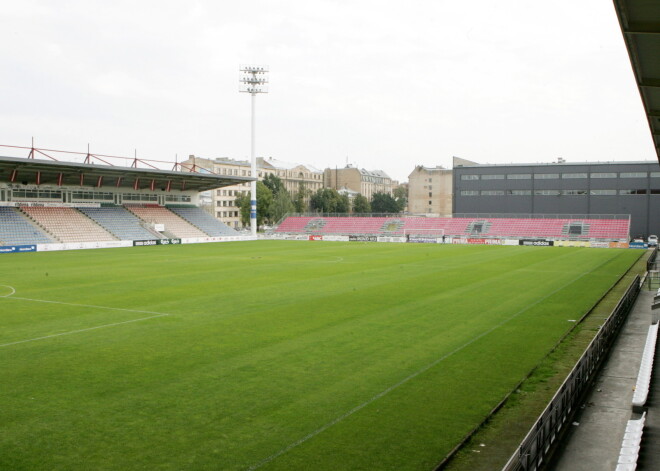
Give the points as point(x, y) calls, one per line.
point(640, 23)
point(32, 171)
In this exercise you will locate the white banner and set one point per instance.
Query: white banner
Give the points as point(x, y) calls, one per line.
point(335, 238)
point(204, 240)
point(84, 245)
point(391, 239)
point(17, 204)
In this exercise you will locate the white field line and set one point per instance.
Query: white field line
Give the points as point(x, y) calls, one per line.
point(80, 330)
point(7, 295)
point(155, 315)
point(409, 377)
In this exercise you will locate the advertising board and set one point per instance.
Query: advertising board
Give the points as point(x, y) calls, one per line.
point(142, 243)
point(362, 238)
point(537, 242)
point(637, 245)
point(619, 245)
point(18, 248)
point(422, 240)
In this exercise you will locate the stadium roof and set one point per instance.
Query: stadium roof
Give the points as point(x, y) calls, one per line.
point(51, 172)
point(640, 24)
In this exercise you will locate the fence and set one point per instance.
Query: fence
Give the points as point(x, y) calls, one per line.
point(650, 262)
point(539, 216)
point(537, 445)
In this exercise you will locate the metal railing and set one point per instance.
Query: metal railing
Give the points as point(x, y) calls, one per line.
point(651, 262)
point(539, 216)
point(537, 446)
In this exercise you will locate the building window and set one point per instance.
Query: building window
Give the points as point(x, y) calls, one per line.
point(519, 176)
point(633, 175)
point(519, 192)
point(545, 176)
point(492, 193)
point(603, 175)
point(575, 192)
point(632, 192)
point(573, 175)
point(547, 192)
point(469, 193)
point(603, 192)
point(492, 177)
point(469, 177)
point(655, 174)
point(430, 194)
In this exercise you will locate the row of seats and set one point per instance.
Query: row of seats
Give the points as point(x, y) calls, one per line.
point(174, 224)
point(67, 224)
point(43, 225)
point(616, 229)
point(204, 221)
point(632, 439)
point(119, 222)
point(16, 229)
point(645, 369)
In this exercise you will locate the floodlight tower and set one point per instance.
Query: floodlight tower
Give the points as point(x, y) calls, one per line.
point(253, 79)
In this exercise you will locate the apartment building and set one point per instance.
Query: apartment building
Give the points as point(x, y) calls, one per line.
point(430, 191)
point(365, 182)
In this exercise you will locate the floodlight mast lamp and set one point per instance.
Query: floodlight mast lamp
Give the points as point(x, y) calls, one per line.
point(253, 79)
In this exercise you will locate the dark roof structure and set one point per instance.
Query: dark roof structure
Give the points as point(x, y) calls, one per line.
point(640, 24)
point(51, 172)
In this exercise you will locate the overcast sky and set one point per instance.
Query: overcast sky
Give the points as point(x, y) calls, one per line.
point(381, 84)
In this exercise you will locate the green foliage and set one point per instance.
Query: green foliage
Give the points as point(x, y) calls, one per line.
point(219, 356)
point(280, 206)
point(400, 194)
point(361, 204)
point(385, 203)
point(328, 200)
point(243, 203)
point(274, 183)
point(264, 202)
point(299, 200)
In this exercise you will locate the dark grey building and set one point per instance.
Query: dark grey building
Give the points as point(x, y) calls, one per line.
point(562, 188)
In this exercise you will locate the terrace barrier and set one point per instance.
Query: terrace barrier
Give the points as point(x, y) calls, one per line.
point(651, 262)
point(538, 445)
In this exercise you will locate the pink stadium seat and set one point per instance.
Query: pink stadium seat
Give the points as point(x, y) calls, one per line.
point(609, 229)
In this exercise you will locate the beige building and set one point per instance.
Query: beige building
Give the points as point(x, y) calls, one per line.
point(223, 199)
point(358, 180)
point(430, 191)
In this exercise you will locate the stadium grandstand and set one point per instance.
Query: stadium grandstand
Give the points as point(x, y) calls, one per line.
point(595, 229)
point(54, 198)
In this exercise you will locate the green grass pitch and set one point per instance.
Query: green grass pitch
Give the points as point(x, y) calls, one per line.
point(274, 355)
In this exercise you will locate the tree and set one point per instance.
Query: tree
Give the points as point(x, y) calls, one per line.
point(343, 204)
point(384, 203)
point(328, 200)
point(281, 205)
point(361, 204)
point(299, 203)
point(274, 183)
point(264, 200)
point(243, 203)
point(401, 196)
